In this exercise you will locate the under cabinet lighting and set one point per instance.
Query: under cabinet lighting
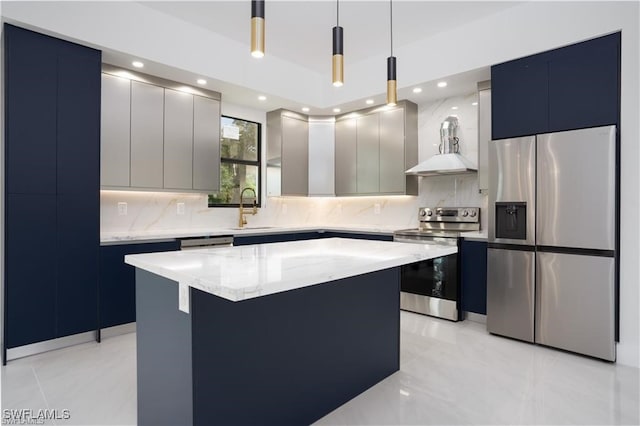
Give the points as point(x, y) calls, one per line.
point(369, 101)
point(336, 110)
point(454, 107)
point(305, 109)
point(262, 98)
point(474, 103)
point(442, 84)
point(417, 90)
point(201, 81)
point(137, 64)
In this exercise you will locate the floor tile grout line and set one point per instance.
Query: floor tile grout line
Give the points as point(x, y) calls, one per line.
point(46, 402)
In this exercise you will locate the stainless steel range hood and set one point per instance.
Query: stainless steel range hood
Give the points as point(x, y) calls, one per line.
point(449, 161)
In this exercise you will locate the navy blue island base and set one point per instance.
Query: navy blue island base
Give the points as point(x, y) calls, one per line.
point(287, 358)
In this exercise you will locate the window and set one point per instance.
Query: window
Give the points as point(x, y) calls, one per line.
point(239, 161)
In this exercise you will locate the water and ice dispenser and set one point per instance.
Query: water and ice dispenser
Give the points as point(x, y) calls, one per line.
point(511, 220)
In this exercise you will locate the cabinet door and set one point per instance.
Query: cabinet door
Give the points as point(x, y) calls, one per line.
point(584, 81)
point(206, 144)
point(178, 139)
point(368, 155)
point(392, 177)
point(115, 131)
point(31, 105)
point(345, 172)
point(474, 276)
point(117, 293)
point(30, 269)
point(484, 137)
point(520, 97)
point(78, 241)
point(295, 156)
point(78, 118)
point(147, 109)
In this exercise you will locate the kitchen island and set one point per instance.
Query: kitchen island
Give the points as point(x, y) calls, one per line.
point(277, 333)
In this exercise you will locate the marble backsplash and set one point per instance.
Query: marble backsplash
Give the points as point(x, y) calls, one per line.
point(149, 211)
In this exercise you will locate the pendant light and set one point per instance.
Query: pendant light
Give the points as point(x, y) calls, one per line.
point(257, 28)
point(392, 94)
point(338, 45)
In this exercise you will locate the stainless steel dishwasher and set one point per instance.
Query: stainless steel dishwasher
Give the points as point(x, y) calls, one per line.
point(206, 242)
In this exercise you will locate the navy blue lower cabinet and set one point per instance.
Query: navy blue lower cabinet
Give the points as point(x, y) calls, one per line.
point(474, 276)
point(78, 241)
point(30, 269)
point(376, 237)
point(117, 290)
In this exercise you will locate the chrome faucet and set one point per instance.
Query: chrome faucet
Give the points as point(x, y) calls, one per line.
point(242, 220)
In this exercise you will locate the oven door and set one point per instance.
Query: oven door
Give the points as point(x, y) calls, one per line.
point(434, 277)
point(431, 287)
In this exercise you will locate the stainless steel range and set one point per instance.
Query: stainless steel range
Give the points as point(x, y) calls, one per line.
point(432, 287)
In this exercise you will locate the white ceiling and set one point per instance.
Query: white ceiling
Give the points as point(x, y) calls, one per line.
point(300, 32)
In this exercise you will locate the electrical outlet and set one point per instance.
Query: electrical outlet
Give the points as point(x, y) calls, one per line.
point(122, 209)
point(180, 208)
point(376, 208)
point(284, 208)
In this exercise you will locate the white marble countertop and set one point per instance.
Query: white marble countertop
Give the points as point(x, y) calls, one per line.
point(244, 272)
point(139, 236)
point(476, 235)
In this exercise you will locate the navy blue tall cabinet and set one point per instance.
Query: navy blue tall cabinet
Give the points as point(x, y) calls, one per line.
point(52, 187)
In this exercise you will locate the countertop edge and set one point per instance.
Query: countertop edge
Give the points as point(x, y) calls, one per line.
point(138, 261)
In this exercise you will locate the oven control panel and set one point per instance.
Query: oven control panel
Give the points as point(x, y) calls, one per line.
point(449, 214)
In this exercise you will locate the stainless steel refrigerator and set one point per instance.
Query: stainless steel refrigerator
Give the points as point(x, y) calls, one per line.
point(551, 263)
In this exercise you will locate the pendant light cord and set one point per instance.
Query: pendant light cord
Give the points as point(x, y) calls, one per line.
point(337, 13)
point(391, 21)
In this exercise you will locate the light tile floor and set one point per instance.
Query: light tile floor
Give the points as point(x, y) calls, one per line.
point(451, 373)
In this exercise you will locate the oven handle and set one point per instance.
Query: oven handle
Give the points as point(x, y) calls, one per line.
point(443, 241)
point(406, 240)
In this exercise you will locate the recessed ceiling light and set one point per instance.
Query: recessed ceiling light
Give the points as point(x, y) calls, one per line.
point(454, 107)
point(474, 103)
point(369, 101)
point(137, 64)
point(442, 84)
point(262, 98)
point(305, 109)
point(202, 81)
point(417, 90)
point(336, 110)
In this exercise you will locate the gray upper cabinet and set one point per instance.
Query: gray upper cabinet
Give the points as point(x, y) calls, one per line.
point(178, 139)
point(114, 131)
point(206, 144)
point(392, 167)
point(147, 113)
point(368, 154)
point(287, 153)
point(295, 156)
point(158, 138)
point(345, 157)
point(374, 149)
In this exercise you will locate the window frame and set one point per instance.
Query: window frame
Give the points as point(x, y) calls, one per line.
point(257, 163)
